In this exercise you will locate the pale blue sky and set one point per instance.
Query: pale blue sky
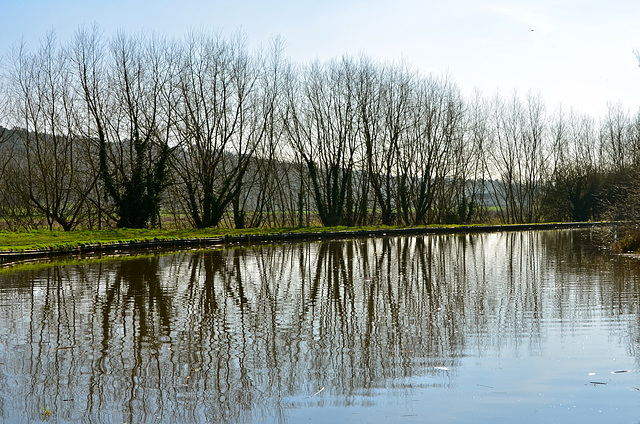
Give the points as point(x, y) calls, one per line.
point(580, 53)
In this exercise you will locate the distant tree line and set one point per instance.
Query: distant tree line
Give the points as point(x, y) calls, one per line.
point(141, 130)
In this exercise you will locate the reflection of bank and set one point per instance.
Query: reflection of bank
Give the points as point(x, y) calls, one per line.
point(240, 334)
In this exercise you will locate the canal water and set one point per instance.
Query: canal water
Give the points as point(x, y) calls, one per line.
point(527, 327)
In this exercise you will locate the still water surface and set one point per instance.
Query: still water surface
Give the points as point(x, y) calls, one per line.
point(502, 327)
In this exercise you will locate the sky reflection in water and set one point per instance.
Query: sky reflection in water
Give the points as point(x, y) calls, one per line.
point(516, 326)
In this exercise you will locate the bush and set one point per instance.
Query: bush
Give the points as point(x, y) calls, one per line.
point(630, 242)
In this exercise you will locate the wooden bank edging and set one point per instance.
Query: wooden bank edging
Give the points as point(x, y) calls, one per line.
point(8, 257)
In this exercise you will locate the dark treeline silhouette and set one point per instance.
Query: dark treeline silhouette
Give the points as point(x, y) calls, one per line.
point(140, 130)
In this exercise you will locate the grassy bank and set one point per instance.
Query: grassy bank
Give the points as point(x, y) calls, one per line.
point(44, 240)
point(19, 241)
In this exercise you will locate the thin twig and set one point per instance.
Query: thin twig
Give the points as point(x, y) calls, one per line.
point(309, 397)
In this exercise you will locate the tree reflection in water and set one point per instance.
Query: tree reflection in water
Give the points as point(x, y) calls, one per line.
point(245, 334)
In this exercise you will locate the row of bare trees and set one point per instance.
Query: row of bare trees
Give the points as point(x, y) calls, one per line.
point(140, 130)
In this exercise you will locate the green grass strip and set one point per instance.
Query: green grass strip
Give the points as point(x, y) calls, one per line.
point(20, 241)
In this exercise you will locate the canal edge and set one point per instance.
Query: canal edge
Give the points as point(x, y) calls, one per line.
point(8, 257)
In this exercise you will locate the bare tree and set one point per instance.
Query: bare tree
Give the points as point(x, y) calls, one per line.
point(517, 158)
point(322, 128)
point(54, 178)
point(5, 148)
point(428, 155)
point(127, 93)
point(15, 210)
point(479, 134)
point(6, 145)
point(575, 180)
point(616, 142)
point(270, 183)
point(383, 96)
point(217, 131)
